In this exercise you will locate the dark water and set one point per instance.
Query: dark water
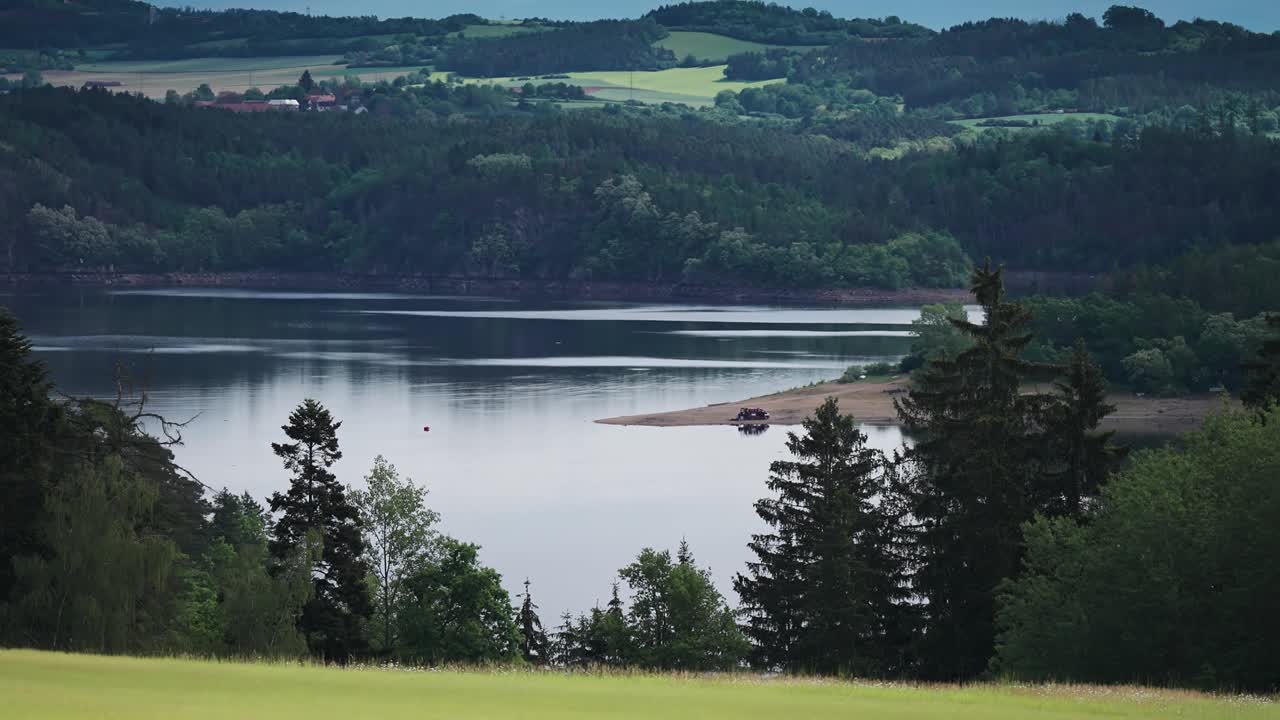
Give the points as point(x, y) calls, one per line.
point(510, 389)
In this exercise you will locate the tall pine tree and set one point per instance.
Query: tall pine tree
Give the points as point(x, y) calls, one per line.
point(826, 593)
point(533, 639)
point(316, 511)
point(973, 478)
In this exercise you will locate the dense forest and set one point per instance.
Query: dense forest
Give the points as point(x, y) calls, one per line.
point(150, 31)
point(600, 45)
point(1011, 539)
point(1131, 63)
point(93, 180)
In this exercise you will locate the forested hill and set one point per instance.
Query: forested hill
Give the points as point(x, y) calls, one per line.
point(773, 23)
point(1131, 63)
point(92, 180)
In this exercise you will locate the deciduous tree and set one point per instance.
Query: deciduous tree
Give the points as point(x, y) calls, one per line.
point(399, 539)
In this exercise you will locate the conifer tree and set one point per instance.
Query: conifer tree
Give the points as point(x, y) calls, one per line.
point(974, 478)
point(533, 639)
point(825, 593)
point(1080, 457)
point(566, 646)
point(306, 82)
point(27, 422)
point(1264, 373)
point(316, 511)
point(614, 633)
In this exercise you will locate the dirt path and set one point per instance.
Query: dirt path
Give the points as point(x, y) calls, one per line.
point(873, 403)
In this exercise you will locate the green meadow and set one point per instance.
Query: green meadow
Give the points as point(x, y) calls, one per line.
point(1043, 118)
point(53, 686)
point(716, 48)
point(497, 30)
point(693, 86)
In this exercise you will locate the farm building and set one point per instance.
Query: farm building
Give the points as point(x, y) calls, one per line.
point(322, 102)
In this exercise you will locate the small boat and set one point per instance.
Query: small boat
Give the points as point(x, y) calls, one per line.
point(752, 415)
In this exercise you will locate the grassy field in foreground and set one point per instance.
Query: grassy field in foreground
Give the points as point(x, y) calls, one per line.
point(1044, 118)
point(710, 46)
point(63, 687)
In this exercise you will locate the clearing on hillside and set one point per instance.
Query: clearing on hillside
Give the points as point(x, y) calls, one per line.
point(691, 86)
point(1041, 118)
point(498, 30)
point(717, 48)
point(54, 686)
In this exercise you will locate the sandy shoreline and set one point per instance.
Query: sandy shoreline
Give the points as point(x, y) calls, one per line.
point(872, 403)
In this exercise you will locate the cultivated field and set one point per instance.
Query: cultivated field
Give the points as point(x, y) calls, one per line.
point(155, 77)
point(53, 686)
point(709, 46)
point(692, 86)
point(1043, 118)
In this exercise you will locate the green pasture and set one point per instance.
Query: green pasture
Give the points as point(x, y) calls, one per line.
point(709, 46)
point(693, 86)
point(51, 686)
point(1044, 118)
point(498, 30)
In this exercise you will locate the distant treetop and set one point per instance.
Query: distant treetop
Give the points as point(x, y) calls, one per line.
point(772, 23)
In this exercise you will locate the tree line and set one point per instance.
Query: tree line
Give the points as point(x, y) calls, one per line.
point(778, 24)
point(1010, 538)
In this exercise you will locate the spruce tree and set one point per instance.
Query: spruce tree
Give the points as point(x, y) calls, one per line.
point(826, 592)
point(1079, 456)
point(1263, 389)
point(973, 478)
point(566, 647)
point(316, 511)
point(28, 423)
point(533, 639)
point(613, 632)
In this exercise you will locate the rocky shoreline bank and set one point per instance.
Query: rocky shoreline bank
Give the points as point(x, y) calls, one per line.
point(553, 289)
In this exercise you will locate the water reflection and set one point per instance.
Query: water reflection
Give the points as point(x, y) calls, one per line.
point(513, 460)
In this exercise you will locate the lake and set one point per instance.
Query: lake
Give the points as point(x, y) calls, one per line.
point(509, 389)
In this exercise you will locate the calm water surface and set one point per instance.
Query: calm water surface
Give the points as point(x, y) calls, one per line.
point(510, 389)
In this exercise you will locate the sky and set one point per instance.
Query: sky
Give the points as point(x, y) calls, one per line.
point(1258, 15)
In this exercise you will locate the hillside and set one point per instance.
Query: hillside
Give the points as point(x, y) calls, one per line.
point(619, 195)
